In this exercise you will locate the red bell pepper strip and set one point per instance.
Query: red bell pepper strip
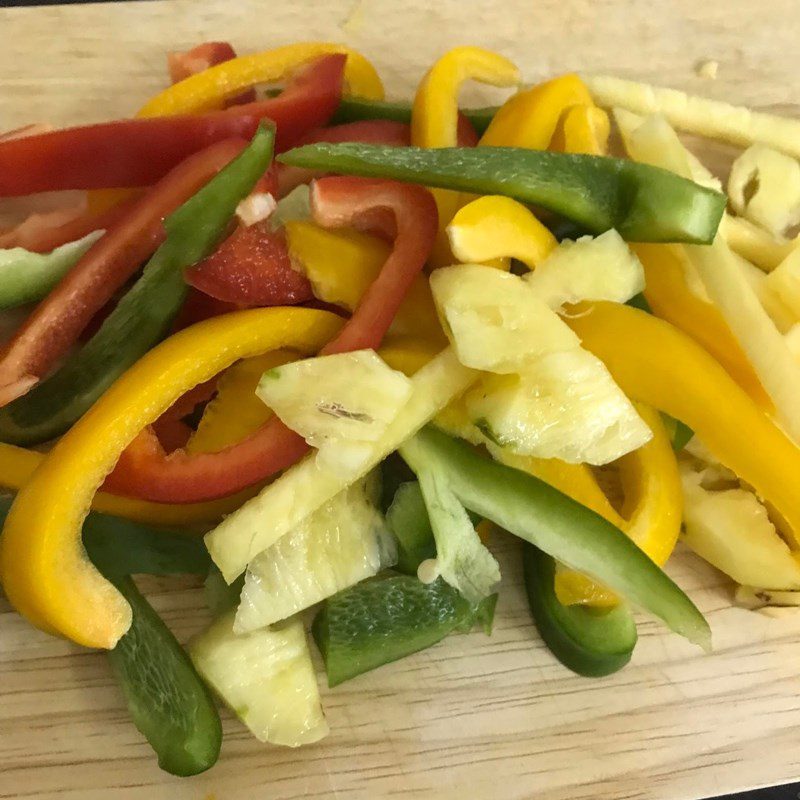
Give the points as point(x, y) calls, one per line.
point(251, 268)
point(208, 54)
point(58, 320)
point(41, 233)
point(138, 152)
point(405, 212)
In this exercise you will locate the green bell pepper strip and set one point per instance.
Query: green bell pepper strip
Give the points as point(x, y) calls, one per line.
point(353, 109)
point(166, 698)
point(383, 620)
point(644, 203)
point(26, 276)
point(408, 520)
point(566, 530)
point(144, 315)
point(591, 642)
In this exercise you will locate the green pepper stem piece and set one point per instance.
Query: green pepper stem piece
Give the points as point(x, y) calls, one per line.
point(644, 203)
point(144, 315)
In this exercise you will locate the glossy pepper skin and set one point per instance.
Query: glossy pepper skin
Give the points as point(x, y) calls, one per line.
point(643, 203)
point(590, 643)
point(143, 316)
point(406, 213)
point(138, 152)
point(566, 530)
point(44, 571)
point(689, 385)
point(57, 322)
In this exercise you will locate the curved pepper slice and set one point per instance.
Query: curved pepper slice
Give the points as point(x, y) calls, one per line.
point(45, 572)
point(138, 152)
point(687, 383)
point(530, 118)
point(182, 65)
point(434, 116)
point(57, 321)
point(670, 298)
point(17, 465)
point(584, 129)
point(209, 89)
point(406, 212)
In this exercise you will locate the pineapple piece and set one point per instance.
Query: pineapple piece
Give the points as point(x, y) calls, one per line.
point(340, 544)
point(564, 405)
point(600, 268)
point(347, 396)
point(265, 677)
point(494, 319)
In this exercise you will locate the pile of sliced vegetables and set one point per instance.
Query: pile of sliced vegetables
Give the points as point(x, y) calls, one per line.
point(324, 350)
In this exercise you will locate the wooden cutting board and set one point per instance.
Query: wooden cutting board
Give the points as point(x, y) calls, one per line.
point(474, 717)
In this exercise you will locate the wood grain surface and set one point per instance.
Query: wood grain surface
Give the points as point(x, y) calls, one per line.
point(473, 717)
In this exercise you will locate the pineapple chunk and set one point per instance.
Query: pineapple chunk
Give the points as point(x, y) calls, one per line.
point(494, 319)
point(347, 396)
point(564, 405)
point(730, 528)
point(601, 268)
point(265, 677)
point(340, 544)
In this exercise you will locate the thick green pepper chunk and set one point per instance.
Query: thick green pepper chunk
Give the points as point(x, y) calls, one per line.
point(144, 315)
point(590, 642)
point(644, 203)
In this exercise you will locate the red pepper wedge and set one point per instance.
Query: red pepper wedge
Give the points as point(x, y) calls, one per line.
point(58, 320)
point(251, 268)
point(402, 211)
point(138, 152)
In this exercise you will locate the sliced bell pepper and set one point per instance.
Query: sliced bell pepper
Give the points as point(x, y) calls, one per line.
point(18, 464)
point(50, 331)
point(26, 276)
point(251, 268)
point(44, 572)
point(352, 109)
point(530, 118)
point(138, 152)
point(643, 203)
point(670, 298)
point(566, 530)
point(590, 643)
point(367, 131)
point(182, 65)
point(584, 129)
point(406, 212)
point(208, 90)
point(434, 117)
point(688, 384)
point(143, 315)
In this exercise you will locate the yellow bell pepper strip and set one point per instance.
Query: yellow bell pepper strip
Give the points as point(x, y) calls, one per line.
point(584, 129)
point(686, 382)
point(434, 116)
point(670, 298)
point(651, 511)
point(342, 264)
point(529, 119)
point(17, 465)
point(494, 228)
point(208, 90)
point(45, 572)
